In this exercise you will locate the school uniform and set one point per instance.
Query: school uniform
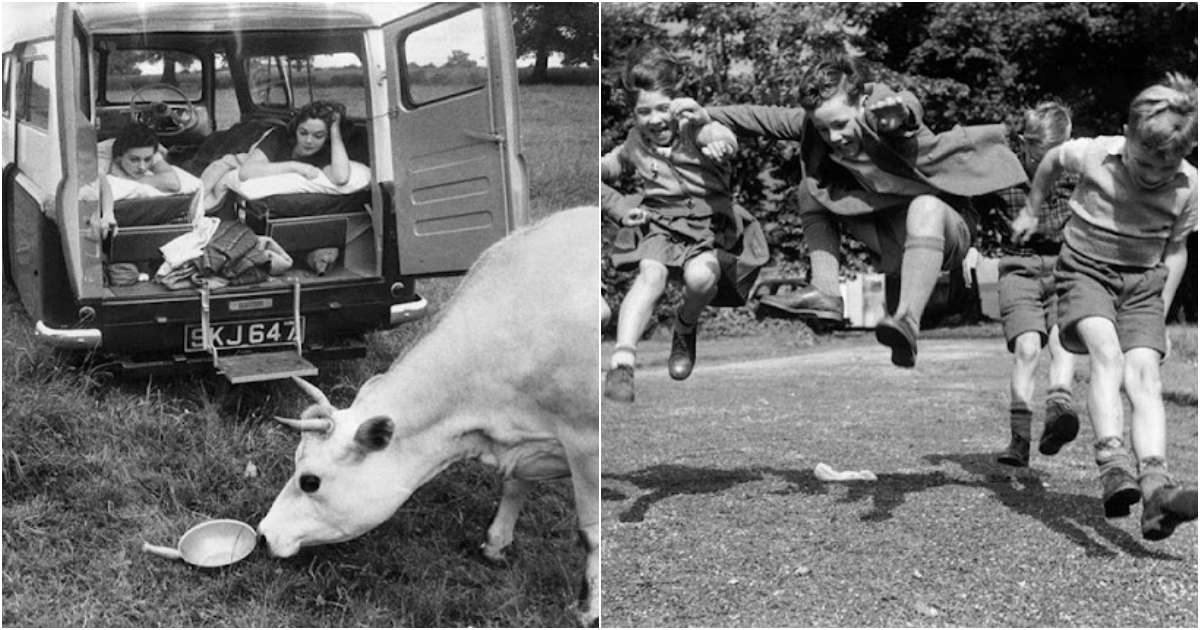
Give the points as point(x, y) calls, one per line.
point(869, 196)
point(693, 210)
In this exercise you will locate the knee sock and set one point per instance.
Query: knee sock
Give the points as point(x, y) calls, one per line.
point(624, 355)
point(825, 268)
point(1111, 453)
point(919, 272)
point(1153, 475)
point(1019, 420)
point(1061, 395)
point(683, 327)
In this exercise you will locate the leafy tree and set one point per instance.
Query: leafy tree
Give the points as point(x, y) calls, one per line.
point(969, 63)
point(543, 28)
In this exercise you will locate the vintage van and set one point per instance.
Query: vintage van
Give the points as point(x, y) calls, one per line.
point(432, 115)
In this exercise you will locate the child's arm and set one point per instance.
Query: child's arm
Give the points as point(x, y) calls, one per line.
point(1176, 259)
point(619, 207)
point(1047, 173)
point(776, 123)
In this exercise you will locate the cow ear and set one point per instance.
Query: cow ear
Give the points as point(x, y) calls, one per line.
point(374, 434)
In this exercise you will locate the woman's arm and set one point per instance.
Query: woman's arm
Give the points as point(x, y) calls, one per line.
point(257, 165)
point(339, 164)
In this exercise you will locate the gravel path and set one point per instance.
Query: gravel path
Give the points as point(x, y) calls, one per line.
point(712, 515)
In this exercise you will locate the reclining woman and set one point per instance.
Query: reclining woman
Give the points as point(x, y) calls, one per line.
point(312, 145)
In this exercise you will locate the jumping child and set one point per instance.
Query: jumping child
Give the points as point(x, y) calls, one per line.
point(1124, 252)
point(872, 167)
point(1028, 307)
point(687, 225)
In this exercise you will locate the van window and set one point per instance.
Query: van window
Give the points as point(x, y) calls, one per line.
point(132, 70)
point(7, 85)
point(34, 93)
point(331, 76)
point(444, 59)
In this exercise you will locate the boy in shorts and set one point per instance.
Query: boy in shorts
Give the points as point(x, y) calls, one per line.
point(873, 168)
point(1124, 252)
point(1028, 306)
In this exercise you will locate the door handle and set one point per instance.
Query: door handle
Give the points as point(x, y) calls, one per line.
point(479, 135)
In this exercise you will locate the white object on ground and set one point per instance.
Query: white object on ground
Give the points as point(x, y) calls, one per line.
point(825, 472)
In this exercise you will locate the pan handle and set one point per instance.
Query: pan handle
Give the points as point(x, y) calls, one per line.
point(166, 552)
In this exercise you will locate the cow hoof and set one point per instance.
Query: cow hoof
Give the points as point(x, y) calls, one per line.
point(495, 557)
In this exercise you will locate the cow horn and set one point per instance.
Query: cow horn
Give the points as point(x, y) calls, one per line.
point(312, 391)
point(319, 425)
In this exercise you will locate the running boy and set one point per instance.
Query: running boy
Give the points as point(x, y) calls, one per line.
point(1028, 306)
point(137, 156)
point(872, 167)
point(687, 225)
point(1123, 255)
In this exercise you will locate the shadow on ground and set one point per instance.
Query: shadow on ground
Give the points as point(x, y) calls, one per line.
point(1076, 517)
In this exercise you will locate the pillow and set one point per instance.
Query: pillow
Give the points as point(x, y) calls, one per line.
point(293, 183)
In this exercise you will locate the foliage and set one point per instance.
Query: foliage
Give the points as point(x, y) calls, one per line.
point(569, 28)
point(969, 63)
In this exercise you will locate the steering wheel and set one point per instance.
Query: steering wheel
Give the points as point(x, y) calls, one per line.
point(164, 118)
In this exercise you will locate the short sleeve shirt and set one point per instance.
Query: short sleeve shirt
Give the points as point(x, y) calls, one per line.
point(1116, 221)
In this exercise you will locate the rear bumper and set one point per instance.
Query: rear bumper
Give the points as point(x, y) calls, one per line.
point(69, 338)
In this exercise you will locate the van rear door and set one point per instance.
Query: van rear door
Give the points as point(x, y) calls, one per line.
point(458, 173)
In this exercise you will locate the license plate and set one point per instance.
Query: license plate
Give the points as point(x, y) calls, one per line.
point(251, 334)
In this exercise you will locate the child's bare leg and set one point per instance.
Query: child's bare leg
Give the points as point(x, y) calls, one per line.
point(1061, 421)
point(699, 287)
point(1099, 336)
point(636, 309)
point(1027, 347)
point(1165, 504)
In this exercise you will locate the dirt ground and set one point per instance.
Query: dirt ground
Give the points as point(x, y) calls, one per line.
point(712, 515)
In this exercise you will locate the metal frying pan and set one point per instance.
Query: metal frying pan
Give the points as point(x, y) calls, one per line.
point(210, 544)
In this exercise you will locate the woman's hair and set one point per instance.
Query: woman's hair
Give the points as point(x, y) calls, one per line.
point(320, 110)
point(650, 67)
point(1163, 116)
point(134, 136)
point(829, 76)
point(1050, 121)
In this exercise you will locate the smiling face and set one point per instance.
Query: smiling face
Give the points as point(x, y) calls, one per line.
point(1147, 167)
point(837, 121)
point(136, 161)
point(652, 117)
point(310, 137)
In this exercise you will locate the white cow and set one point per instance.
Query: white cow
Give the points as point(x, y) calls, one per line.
point(507, 376)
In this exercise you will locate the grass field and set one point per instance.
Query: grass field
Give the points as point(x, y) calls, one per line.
point(94, 466)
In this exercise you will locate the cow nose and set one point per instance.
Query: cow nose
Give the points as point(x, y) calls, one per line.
point(310, 483)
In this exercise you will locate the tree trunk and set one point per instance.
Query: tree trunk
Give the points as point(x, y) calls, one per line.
point(541, 66)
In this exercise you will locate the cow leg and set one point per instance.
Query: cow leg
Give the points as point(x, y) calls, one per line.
point(585, 477)
point(500, 533)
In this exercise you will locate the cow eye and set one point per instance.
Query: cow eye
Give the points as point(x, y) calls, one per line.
point(310, 483)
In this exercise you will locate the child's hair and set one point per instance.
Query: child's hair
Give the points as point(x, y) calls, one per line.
point(1163, 116)
point(1051, 119)
point(829, 76)
point(320, 110)
point(650, 67)
point(134, 136)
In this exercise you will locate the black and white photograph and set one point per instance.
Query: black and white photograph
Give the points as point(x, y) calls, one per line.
point(900, 310)
point(300, 314)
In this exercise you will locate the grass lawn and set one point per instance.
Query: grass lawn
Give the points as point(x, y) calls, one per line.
point(94, 466)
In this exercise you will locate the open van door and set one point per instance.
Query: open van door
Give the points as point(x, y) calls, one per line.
point(459, 177)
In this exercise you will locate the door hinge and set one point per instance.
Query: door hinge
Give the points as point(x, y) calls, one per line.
point(489, 137)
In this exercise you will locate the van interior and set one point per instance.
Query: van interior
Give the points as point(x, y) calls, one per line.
point(211, 98)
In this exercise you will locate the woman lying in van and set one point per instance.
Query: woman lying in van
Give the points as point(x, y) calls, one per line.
point(312, 145)
point(137, 167)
